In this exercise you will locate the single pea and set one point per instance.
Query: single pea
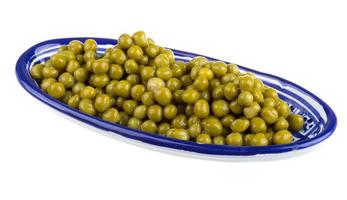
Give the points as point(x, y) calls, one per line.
point(154, 84)
point(239, 125)
point(219, 140)
point(163, 96)
point(148, 98)
point(155, 113)
point(283, 137)
point(100, 81)
point(269, 102)
point(100, 66)
point(110, 88)
point(90, 55)
point(118, 56)
point(220, 108)
point(169, 55)
point(257, 95)
point(67, 79)
point(46, 83)
point(131, 66)
point(74, 101)
point(161, 61)
point(296, 122)
point(140, 112)
point(281, 124)
point(133, 79)
point(111, 115)
point(140, 39)
point(152, 50)
point(177, 69)
point(90, 45)
point(258, 125)
point(65, 98)
point(102, 102)
point(56, 90)
point(75, 46)
point(69, 55)
point(173, 84)
point(214, 83)
point(36, 71)
point(271, 93)
point(201, 109)
point(205, 95)
point(203, 139)
point(246, 83)
point(233, 68)
point(201, 83)
point(147, 73)
point(149, 126)
point(283, 109)
point(123, 88)
point(49, 72)
point(134, 123)
point(137, 91)
point(247, 139)
point(197, 61)
point(135, 52)
point(165, 73)
point(180, 134)
point(86, 106)
point(59, 61)
point(219, 68)
point(245, 98)
point(80, 59)
point(81, 74)
point(163, 128)
point(88, 92)
point(116, 72)
point(218, 92)
point(170, 111)
point(231, 91)
point(125, 41)
point(194, 130)
point(259, 139)
point(129, 106)
point(213, 127)
point(190, 96)
point(234, 139)
point(207, 73)
point(269, 114)
point(119, 103)
point(180, 121)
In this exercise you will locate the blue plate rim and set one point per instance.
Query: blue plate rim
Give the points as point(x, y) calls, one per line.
point(28, 84)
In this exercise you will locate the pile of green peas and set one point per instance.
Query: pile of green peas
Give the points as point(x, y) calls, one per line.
point(139, 84)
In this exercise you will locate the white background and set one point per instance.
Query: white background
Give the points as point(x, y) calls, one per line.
point(46, 156)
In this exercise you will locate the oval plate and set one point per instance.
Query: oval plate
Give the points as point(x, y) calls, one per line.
point(320, 120)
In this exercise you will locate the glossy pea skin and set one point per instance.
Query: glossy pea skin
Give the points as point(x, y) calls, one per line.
point(296, 122)
point(164, 73)
point(170, 111)
point(161, 61)
point(74, 101)
point(239, 125)
point(194, 130)
point(59, 61)
point(75, 46)
point(81, 75)
point(258, 125)
point(56, 90)
point(213, 127)
point(246, 83)
point(269, 114)
point(49, 72)
point(201, 83)
point(67, 79)
point(203, 139)
point(125, 41)
point(100, 66)
point(72, 65)
point(281, 124)
point(140, 39)
point(231, 91)
point(155, 113)
point(115, 72)
point(155, 83)
point(219, 140)
point(180, 121)
point(152, 50)
point(180, 134)
point(283, 137)
point(245, 98)
point(129, 106)
point(118, 56)
point(134, 123)
point(201, 109)
point(190, 96)
point(111, 115)
point(102, 102)
point(36, 71)
point(220, 108)
point(234, 139)
point(149, 126)
point(283, 109)
point(163, 96)
point(135, 52)
point(219, 68)
point(163, 128)
point(123, 88)
point(86, 106)
point(88, 92)
point(259, 139)
point(90, 45)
